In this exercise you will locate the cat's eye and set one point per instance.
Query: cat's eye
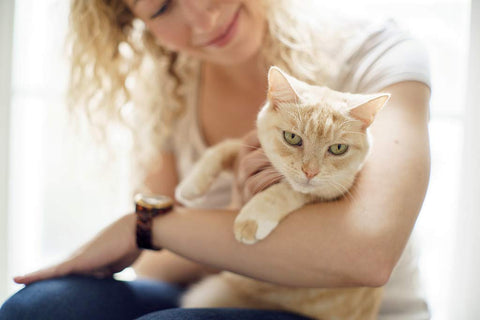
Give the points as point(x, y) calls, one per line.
point(292, 138)
point(338, 149)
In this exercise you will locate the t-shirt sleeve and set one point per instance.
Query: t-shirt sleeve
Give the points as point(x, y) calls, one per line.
point(385, 56)
point(406, 61)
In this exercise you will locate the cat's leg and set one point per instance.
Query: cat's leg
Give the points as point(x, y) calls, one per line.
point(265, 210)
point(207, 168)
point(216, 292)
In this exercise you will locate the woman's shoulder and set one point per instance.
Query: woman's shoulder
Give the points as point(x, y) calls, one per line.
point(375, 54)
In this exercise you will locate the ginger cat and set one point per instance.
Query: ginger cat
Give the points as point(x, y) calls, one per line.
point(318, 140)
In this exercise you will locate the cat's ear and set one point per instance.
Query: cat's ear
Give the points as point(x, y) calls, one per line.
point(280, 89)
point(368, 107)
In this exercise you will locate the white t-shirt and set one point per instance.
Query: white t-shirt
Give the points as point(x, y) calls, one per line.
point(378, 55)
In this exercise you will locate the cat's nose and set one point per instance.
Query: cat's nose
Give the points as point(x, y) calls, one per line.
point(310, 172)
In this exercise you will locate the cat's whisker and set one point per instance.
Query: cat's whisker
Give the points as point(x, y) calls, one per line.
point(273, 177)
point(347, 121)
point(336, 187)
point(346, 124)
point(355, 132)
point(342, 188)
point(247, 145)
point(351, 133)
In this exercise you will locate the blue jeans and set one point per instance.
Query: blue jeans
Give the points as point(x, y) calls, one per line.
point(81, 297)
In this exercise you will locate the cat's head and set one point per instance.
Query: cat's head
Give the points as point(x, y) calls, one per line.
point(316, 137)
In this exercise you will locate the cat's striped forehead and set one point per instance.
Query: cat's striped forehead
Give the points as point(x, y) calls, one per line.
point(320, 120)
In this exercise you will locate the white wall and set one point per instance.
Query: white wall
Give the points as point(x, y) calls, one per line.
point(465, 283)
point(6, 26)
point(74, 188)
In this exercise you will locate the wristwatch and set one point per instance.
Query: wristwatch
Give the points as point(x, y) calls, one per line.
point(147, 207)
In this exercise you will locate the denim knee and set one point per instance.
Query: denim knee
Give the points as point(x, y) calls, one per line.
point(221, 314)
point(78, 297)
point(40, 300)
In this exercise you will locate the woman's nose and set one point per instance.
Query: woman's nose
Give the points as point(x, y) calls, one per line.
point(201, 14)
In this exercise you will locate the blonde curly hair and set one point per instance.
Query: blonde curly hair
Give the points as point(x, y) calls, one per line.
point(119, 74)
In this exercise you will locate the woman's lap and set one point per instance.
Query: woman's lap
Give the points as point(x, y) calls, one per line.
point(80, 297)
point(220, 314)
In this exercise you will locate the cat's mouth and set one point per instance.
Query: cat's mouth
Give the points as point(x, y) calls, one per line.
point(305, 185)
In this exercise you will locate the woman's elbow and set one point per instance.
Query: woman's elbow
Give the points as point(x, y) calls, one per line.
point(361, 271)
point(373, 268)
point(373, 275)
point(378, 266)
point(379, 276)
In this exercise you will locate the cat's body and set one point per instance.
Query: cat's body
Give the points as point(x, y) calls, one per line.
point(317, 139)
point(227, 289)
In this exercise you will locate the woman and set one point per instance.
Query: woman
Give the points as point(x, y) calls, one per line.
point(202, 68)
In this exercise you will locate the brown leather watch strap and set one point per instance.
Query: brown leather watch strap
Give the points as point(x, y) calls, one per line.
point(145, 214)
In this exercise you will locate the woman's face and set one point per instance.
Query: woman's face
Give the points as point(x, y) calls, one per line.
point(220, 31)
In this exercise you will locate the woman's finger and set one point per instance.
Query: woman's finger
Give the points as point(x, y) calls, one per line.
point(250, 164)
point(59, 270)
point(250, 142)
point(260, 181)
point(254, 171)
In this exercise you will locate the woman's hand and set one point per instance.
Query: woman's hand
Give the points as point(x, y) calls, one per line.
point(254, 172)
point(109, 252)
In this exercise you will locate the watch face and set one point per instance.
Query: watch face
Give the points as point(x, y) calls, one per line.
point(153, 201)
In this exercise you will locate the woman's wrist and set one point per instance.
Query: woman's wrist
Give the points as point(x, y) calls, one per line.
point(165, 226)
point(130, 222)
point(156, 229)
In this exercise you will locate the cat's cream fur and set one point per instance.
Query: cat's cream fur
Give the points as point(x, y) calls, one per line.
point(322, 118)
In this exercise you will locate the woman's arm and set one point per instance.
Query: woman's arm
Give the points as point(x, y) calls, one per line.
point(165, 265)
point(354, 241)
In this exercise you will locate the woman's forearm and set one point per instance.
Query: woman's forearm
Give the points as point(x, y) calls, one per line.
point(350, 242)
point(169, 267)
point(291, 255)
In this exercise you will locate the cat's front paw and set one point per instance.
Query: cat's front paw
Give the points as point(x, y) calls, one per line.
point(187, 191)
point(252, 230)
point(245, 231)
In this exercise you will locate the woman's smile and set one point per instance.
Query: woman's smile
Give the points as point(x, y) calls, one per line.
point(226, 33)
point(221, 32)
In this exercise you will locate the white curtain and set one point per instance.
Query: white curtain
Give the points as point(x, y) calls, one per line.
point(72, 187)
point(6, 35)
point(465, 281)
